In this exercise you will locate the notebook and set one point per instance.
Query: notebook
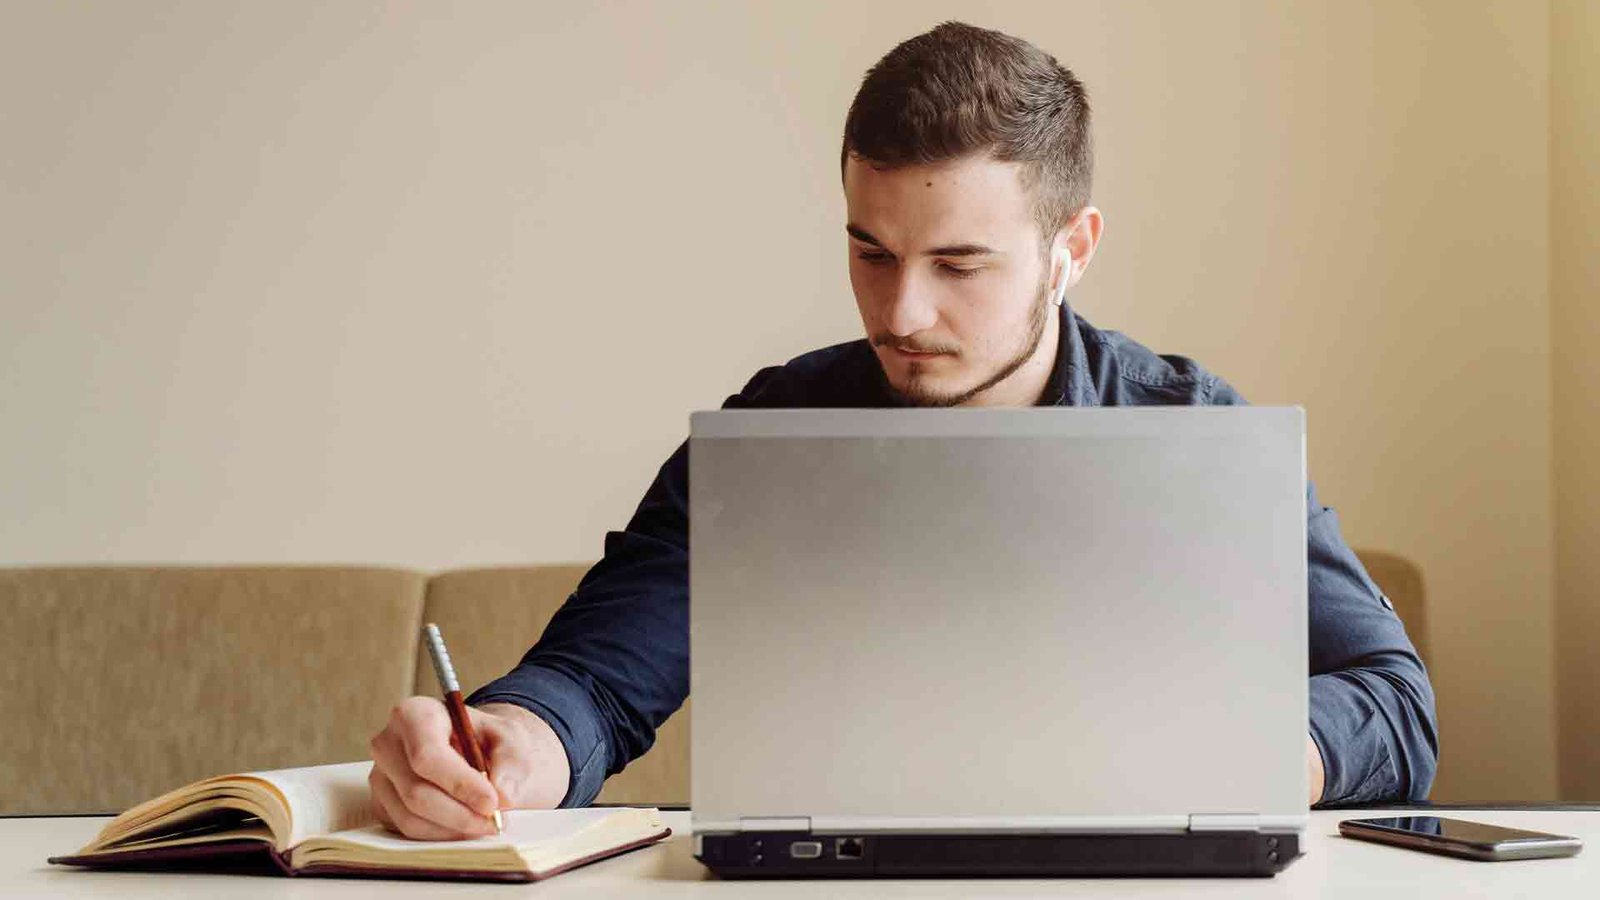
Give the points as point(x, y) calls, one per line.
point(317, 821)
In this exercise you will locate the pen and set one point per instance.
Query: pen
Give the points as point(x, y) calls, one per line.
point(459, 722)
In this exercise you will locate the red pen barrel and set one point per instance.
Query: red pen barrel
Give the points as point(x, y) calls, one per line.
point(461, 723)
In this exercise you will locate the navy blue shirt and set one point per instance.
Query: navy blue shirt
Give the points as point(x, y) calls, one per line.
point(613, 663)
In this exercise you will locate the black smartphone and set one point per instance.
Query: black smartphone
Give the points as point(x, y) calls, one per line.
point(1458, 837)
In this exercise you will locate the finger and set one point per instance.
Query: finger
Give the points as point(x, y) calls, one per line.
point(423, 727)
point(397, 817)
point(421, 797)
point(378, 811)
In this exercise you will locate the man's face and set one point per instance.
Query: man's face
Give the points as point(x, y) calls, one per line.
point(949, 276)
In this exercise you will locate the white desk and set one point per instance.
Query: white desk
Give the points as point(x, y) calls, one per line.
point(1331, 867)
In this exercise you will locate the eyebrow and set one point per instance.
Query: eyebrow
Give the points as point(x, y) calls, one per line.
point(862, 235)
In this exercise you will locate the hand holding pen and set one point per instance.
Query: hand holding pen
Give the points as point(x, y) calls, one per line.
point(423, 786)
point(460, 723)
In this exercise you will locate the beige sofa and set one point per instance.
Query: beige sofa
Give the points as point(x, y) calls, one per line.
point(123, 682)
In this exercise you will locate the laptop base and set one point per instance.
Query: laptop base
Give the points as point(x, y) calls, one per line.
point(804, 855)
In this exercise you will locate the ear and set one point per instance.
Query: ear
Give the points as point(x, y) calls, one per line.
point(1074, 246)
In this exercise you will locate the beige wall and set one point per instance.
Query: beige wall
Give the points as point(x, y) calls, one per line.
point(438, 284)
point(1575, 320)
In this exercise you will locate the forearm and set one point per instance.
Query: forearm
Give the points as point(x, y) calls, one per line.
point(1372, 707)
point(1374, 729)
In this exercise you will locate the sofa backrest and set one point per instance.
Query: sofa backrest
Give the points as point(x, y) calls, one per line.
point(122, 683)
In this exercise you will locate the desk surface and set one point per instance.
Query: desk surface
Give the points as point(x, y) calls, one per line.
point(1331, 867)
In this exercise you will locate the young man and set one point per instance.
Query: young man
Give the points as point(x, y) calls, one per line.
point(966, 166)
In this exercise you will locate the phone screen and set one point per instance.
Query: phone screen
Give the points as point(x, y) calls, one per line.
point(1455, 829)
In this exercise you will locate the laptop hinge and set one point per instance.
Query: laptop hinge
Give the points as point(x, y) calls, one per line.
point(775, 823)
point(1225, 822)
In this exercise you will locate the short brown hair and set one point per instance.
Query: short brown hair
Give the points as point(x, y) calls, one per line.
point(959, 89)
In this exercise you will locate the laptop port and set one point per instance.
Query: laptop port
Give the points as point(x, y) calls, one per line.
point(805, 849)
point(847, 848)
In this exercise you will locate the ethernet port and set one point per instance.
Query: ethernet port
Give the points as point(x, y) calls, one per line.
point(847, 848)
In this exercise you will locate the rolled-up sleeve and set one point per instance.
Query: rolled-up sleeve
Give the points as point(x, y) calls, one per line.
point(1372, 706)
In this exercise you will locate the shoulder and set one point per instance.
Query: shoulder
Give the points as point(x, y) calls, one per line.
point(1127, 373)
point(841, 375)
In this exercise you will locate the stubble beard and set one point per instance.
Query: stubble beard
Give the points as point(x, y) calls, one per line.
point(915, 393)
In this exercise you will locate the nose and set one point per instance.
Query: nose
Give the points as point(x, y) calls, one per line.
point(910, 307)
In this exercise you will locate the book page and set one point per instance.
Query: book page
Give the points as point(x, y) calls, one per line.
point(204, 819)
point(283, 807)
point(322, 799)
point(534, 841)
point(525, 828)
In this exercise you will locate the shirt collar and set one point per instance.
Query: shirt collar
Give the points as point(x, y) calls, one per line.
point(1070, 384)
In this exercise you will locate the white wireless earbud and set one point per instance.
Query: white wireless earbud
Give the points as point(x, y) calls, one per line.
point(1066, 275)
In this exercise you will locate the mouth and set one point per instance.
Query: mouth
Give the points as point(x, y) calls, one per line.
point(915, 355)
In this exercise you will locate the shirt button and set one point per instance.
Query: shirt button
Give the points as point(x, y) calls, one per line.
point(1387, 603)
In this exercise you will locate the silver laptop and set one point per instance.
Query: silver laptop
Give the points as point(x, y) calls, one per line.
point(998, 642)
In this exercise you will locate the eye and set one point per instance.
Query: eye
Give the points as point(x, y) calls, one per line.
point(872, 256)
point(959, 272)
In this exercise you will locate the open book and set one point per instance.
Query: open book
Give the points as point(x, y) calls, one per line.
point(316, 821)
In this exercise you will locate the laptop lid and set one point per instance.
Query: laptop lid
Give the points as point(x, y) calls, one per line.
point(998, 619)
